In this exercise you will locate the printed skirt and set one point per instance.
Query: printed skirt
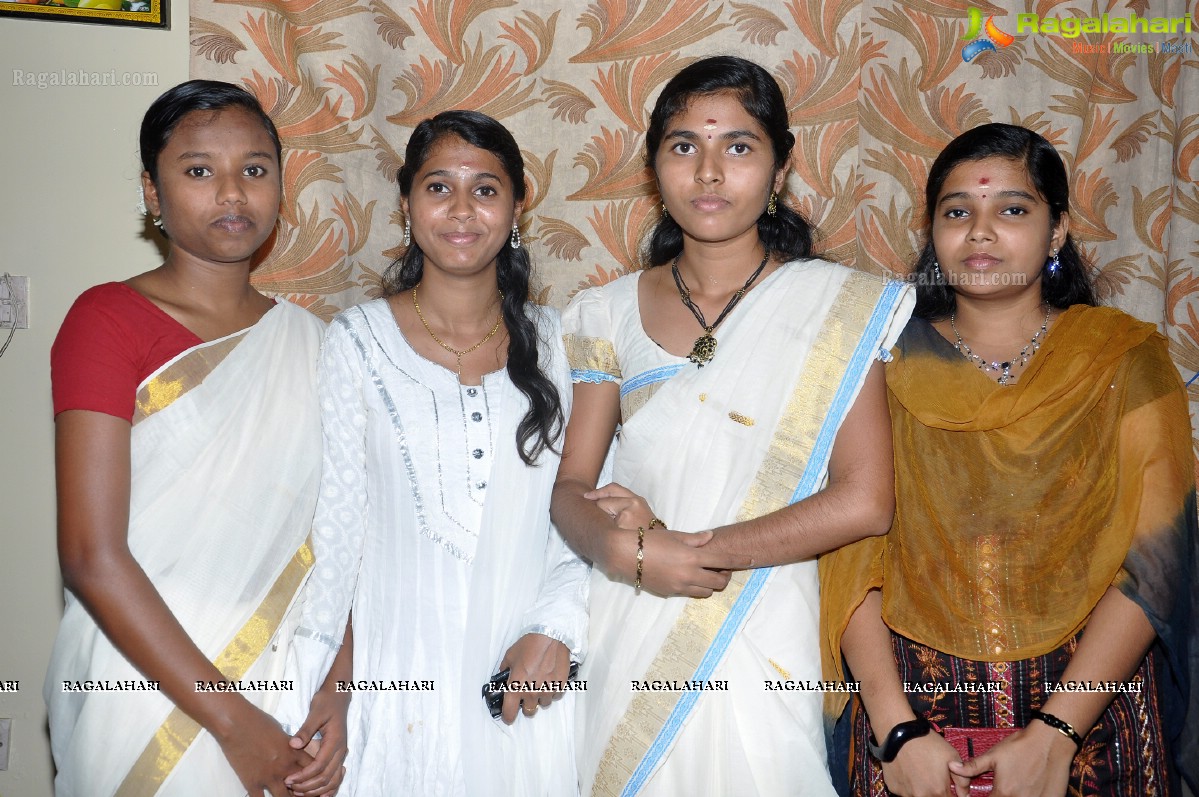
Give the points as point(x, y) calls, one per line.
point(1126, 754)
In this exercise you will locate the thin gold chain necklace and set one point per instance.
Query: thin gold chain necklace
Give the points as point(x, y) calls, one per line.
point(446, 346)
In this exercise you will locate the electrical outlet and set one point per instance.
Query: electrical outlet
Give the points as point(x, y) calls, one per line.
point(14, 305)
point(5, 735)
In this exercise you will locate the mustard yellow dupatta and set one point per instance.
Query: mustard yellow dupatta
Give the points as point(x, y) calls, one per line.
point(1018, 506)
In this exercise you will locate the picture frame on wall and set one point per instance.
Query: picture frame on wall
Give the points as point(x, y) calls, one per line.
point(134, 13)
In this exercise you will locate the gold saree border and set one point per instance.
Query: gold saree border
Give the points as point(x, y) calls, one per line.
point(636, 399)
point(175, 380)
point(172, 739)
point(591, 354)
point(772, 489)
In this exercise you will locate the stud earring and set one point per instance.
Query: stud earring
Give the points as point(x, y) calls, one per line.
point(772, 205)
point(515, 241)
point(407, 233)
point(1054, 266)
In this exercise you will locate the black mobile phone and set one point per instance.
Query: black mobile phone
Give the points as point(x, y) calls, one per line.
point(493, 690)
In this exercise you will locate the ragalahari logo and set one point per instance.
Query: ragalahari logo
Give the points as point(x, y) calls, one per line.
point(992, 36)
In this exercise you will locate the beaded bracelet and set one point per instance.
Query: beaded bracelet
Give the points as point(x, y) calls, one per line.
point(1059, 725)
point(640, 555)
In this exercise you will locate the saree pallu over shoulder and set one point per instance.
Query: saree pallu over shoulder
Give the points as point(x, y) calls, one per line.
point(181, 374)
point(747, 435)
point(225, 457)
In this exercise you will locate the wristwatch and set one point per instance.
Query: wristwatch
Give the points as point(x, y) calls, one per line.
point(900, 735)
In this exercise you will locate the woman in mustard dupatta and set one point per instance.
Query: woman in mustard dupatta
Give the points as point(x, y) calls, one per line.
point(1038, 576)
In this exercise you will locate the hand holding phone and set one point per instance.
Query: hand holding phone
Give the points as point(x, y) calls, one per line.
point(493, 690)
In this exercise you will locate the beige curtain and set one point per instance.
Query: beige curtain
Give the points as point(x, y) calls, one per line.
point(875, 90)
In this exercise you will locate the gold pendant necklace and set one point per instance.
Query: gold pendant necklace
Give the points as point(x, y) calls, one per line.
point(704, 348)
point(446, 346)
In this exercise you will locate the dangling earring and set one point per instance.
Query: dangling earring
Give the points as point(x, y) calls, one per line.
point(515, 242)
point(772, 205)
point(407, 233)
point(1054, 266)
point(158, 222)
point(665, 212)
point(938, 277)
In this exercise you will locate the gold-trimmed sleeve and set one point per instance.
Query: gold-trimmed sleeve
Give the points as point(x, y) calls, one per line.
point(591, 359)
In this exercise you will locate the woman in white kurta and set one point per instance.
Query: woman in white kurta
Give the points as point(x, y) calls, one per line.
point(433, 517)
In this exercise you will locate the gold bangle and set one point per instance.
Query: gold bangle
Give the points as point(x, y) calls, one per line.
point(655, 522)
point(640, 556)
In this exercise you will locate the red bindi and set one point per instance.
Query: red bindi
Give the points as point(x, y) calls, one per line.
point(984, 181)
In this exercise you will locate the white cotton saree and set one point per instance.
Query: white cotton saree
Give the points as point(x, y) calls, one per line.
point(225, 456)
point(746, 435)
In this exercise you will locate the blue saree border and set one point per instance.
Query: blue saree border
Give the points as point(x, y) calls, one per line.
point(863, 356)
point(591, 377)
point(659, 374)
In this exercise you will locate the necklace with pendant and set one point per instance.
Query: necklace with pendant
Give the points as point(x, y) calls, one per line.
point(459, 353)
point(1004, 368)
point(705, 345)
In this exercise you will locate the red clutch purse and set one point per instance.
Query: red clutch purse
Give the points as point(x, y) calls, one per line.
point(973, 742)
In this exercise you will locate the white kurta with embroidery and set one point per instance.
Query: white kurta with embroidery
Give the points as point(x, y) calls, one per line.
point(435, 531)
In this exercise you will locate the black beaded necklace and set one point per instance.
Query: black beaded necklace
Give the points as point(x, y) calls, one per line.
point(705, 345)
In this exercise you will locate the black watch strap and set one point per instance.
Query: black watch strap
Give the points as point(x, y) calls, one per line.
point(900, 735)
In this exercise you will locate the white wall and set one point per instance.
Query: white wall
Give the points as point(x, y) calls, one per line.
point(68, 167)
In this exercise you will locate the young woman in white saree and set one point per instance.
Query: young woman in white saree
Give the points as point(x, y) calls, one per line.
point(753, 435)
point(188, 459)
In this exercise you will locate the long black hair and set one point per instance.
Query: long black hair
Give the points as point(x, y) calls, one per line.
point(166, 112)
point(544, 421)
point(785, 235)
point(1071, 284)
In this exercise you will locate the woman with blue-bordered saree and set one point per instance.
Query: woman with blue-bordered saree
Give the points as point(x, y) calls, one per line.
point(738, 439)
point(765, 446)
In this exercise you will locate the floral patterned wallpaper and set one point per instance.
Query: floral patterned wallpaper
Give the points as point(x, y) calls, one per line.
point(875, 90)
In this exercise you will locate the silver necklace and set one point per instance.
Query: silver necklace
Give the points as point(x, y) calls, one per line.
point(1004, 368)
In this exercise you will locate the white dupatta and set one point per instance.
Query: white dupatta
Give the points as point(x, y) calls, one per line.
point(518, 550)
